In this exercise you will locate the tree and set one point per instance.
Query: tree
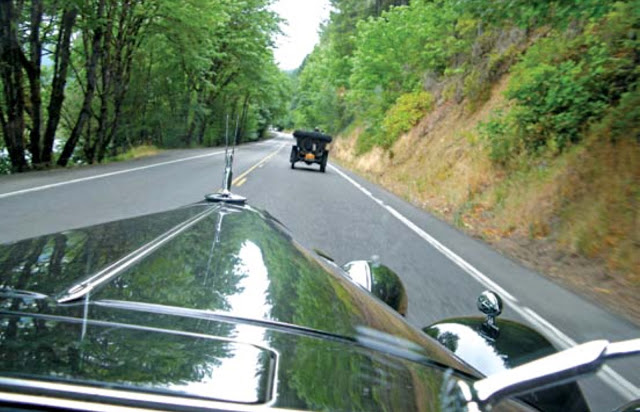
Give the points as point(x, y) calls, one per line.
point(124, 72)
point(24, 35)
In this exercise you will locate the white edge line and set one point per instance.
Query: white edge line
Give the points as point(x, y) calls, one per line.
point(83, 179)
point(613, 379)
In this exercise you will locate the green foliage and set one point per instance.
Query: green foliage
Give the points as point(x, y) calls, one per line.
point(368, 59)
point(534, 13)
point(477, 87)
point(135, 153)
point(165, 72)
point(621, 122)
point(395, 51)
point(404, 114)
point(369, 139)
point(394, 56)
point(198, 67)
point(563, 84)
point(316, 103)
point(502, 147)
point(5, 165)
point(555, 102)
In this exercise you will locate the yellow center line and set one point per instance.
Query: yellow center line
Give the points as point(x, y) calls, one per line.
point(236, 181)
point(241, 182)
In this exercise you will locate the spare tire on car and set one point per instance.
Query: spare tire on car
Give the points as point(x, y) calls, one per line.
point(301, 134)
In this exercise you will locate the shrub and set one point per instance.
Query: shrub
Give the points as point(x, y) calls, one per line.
point(404, 114)
point(366, 141)
point(564, 84)
point(555, 104)
point(477, 88)
point(497, 132)
point(623, 121)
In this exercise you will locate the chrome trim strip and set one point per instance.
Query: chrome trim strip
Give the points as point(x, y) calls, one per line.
point(551, 369)
point(624, 348)
point(83, 288)
point(369, 280)
point(132, 326)
point(215, 315)
point(56, 395)
point(20, 294)
point(46, 401)
point(566, 366)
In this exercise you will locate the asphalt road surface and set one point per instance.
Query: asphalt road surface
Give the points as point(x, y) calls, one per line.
point(341, 214)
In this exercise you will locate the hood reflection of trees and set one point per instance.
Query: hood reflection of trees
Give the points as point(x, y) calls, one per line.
point(201, 269)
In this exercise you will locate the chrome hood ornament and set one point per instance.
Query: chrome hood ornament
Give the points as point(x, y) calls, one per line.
point(490, 304)
point(224, 194)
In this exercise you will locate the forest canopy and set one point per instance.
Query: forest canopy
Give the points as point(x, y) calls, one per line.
point(384, 65)
point(81, 81)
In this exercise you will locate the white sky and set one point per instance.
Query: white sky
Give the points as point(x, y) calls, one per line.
point(303, 18)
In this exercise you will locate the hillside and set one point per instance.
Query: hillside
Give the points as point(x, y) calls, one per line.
point(519, 123)
point(575, 221)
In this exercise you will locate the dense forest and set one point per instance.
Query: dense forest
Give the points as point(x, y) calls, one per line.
point(384, 67)
point(518, 121)
point(83, 80)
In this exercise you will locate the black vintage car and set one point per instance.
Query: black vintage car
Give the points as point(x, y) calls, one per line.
point(214, 306)
point(310, 147)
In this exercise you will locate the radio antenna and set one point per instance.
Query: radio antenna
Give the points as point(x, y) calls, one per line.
point(235, 134)
point(224, 194)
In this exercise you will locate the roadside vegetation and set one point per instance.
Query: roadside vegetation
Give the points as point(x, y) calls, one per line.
point(136, 153)
point(518, 121)
point(87, 81)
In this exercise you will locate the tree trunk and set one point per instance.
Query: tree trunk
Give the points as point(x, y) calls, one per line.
point(85, 112)
point(105, 68)
point(11, 63)
point(62, 61)
point(202, 128)
point(127, 41)
point(192, 127)
point(243, 118)
point(33, 72)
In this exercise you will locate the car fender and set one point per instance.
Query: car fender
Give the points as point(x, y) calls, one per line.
point(505, 346)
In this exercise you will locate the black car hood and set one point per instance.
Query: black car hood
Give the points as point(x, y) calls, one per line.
point(230, 291)
point(202, 361)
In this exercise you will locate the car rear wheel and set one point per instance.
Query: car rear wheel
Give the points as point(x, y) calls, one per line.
point(323, 164)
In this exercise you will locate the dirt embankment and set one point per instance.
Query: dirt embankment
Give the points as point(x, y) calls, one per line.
point(574, 218)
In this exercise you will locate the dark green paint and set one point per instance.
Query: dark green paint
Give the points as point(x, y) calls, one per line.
point(513, 345)
point(232, 292)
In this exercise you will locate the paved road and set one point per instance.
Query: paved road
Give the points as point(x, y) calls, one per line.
point(339, 213)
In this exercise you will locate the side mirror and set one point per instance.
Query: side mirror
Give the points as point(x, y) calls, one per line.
point(379, 280)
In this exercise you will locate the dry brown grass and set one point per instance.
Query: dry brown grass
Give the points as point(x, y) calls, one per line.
point(573, 217)
point(602, 218)
point(440, 164)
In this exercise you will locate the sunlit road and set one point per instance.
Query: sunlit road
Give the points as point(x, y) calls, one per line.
point(339, 213)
